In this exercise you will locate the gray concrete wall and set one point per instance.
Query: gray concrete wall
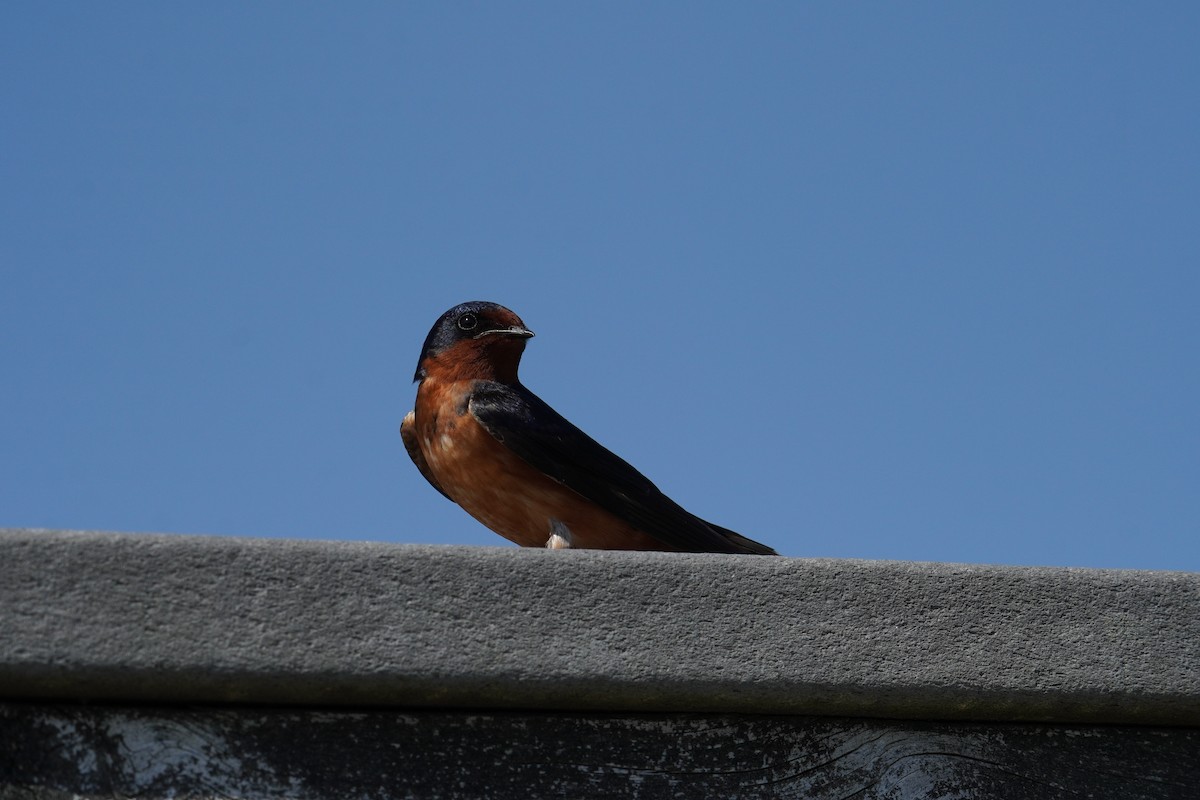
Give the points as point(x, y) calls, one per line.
point(209, 619)
point(585, 645)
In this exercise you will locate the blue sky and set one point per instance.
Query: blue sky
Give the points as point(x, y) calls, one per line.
point(908, 281)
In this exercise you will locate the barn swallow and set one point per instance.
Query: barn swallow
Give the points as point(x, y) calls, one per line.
point(515, 464)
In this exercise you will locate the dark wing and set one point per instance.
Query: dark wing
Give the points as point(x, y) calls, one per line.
point(745, 543)
point(549, 443)
point(408, 433)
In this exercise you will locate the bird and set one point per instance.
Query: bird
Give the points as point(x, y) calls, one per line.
point(519, 467)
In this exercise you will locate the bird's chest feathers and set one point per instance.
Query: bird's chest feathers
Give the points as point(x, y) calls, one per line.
point(466, 459)
point(498, 488)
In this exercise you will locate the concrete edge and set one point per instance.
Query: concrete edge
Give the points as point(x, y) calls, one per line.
point(185, 619)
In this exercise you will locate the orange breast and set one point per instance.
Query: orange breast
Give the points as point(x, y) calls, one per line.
point(501, 490)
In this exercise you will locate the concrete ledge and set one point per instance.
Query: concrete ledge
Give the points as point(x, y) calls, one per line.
point(181, 619)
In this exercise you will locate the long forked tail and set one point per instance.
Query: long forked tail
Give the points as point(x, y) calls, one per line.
point(743, 543)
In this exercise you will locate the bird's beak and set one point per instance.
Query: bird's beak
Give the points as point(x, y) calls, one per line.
point(515, 330)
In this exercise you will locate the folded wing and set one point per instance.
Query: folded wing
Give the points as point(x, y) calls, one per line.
point(548, 442)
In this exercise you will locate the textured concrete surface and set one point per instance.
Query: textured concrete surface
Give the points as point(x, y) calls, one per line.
point(150, 618)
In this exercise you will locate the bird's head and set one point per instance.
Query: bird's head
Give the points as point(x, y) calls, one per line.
point(477, 340)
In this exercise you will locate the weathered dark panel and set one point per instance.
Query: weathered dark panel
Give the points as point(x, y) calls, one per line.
point(105, 752)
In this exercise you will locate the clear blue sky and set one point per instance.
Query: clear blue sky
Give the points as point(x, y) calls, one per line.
point(910, 281)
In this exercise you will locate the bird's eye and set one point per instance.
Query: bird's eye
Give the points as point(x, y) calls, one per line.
point(468, 322)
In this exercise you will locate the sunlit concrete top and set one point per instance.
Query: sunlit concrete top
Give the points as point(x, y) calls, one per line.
point(166, 618)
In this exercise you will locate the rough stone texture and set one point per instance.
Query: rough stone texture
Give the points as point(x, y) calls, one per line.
point(59, 752)
point(161, 619)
